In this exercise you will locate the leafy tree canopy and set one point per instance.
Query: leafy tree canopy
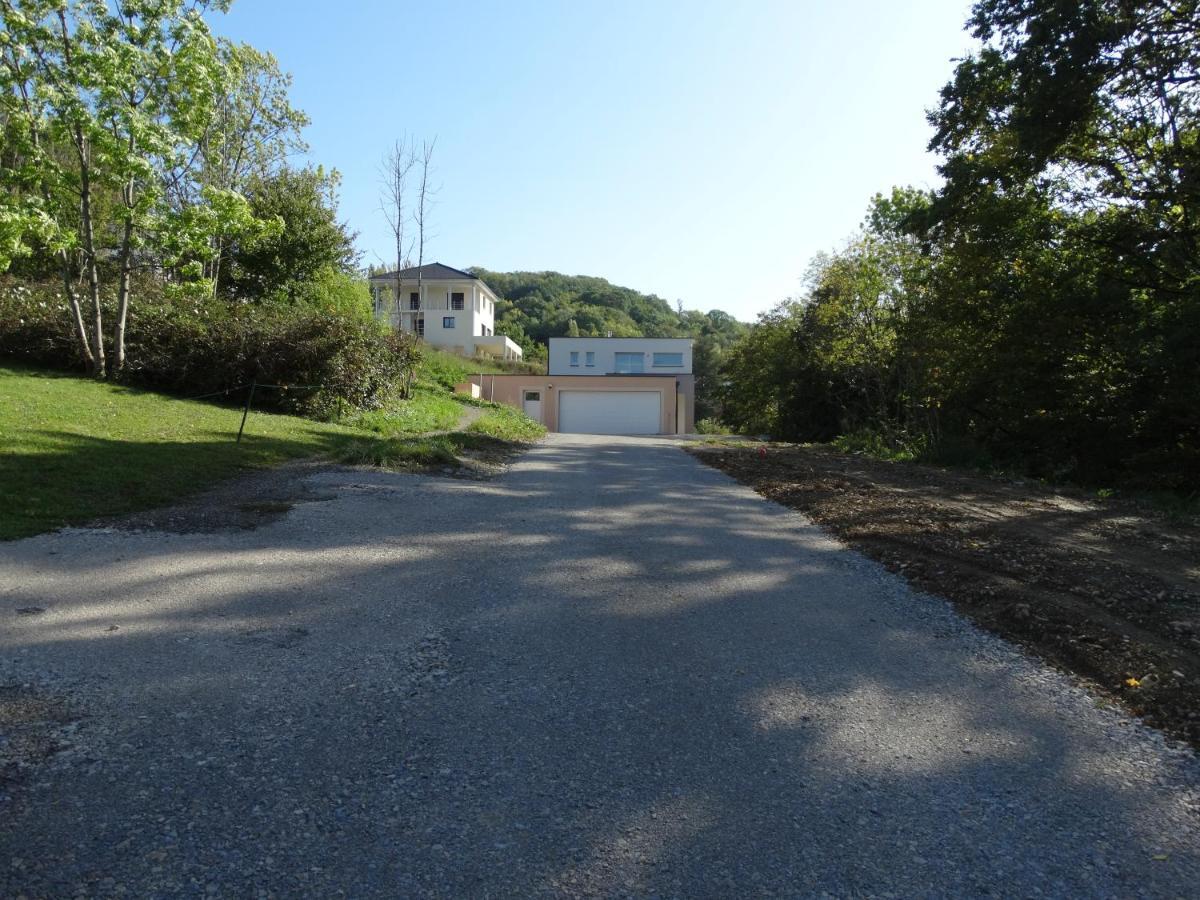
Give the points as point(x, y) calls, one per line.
point(310, 242)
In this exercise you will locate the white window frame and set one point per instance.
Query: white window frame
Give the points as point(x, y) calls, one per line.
point(575, 359)
point(462, 301)
point(667, 365)
point(589, 359)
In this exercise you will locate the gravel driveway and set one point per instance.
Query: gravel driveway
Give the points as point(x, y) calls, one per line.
point(610, 671)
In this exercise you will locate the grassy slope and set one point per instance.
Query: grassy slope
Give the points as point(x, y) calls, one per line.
point(428, 410)
point(73, 449)
point(433, 408)
point(506, 423)
point(493, 436)
point(447, 369)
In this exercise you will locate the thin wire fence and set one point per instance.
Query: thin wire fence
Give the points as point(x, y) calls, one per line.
point(250, 388)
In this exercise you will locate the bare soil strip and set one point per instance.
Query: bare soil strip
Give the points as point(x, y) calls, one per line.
point(1105, 589)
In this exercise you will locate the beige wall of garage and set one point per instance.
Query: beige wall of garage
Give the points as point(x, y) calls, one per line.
point(510, 389)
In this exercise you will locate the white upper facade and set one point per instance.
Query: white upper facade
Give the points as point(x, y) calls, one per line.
point(620, 356)
point(447, 307)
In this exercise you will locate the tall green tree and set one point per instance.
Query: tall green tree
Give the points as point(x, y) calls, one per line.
point(253, 131)
point(1067, 231)
point(1041, 308)
point(841, 358)
point(107, 102)
point(281, 264)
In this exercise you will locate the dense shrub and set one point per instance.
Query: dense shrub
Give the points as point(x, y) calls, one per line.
point(319, 362)
point(712, 426)
point(35, 325)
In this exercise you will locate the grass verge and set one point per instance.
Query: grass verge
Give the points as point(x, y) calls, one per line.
point(426, 410)
point(471, 453)
point(72, 449)
point(448, 369)
point(392, 452)
point(508, 424)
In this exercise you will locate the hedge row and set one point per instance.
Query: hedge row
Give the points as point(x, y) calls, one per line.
point(329, 361)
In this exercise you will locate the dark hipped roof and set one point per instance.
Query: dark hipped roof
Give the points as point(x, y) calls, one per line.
point(430, 272)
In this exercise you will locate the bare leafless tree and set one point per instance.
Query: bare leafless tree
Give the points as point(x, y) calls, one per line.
point(394, 173)
point(425, 195)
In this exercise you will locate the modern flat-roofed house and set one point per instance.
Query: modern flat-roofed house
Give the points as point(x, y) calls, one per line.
point(596, 385)
point(449, 308)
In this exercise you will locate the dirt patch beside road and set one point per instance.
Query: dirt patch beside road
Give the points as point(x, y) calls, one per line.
point(1105, 589)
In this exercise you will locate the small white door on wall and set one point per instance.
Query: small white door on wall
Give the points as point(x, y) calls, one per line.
point(532, 404)
point(610, 412)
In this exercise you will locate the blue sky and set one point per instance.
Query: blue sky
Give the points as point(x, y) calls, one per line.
point(700, 151)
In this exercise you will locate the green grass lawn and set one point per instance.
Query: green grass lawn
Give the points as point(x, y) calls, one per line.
point(507, 423)
point(427, 410)
point(72, 449)
point(448, 369)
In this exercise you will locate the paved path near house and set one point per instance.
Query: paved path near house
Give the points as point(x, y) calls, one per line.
point(611, 671)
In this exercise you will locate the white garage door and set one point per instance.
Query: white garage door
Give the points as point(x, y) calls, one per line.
point(609, 412)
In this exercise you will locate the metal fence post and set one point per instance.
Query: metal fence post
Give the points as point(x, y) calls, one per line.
point(246, 411)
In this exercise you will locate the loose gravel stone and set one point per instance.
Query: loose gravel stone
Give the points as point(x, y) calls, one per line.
point(610, 671)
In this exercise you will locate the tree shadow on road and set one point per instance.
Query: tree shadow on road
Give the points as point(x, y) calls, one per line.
point(651, 682)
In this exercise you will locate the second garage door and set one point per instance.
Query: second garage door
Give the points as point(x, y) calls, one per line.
point(610, 412)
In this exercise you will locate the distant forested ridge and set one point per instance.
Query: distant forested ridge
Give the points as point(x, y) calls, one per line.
point(536, 306)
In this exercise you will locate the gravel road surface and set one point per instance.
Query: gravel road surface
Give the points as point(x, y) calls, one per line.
point(610, 671)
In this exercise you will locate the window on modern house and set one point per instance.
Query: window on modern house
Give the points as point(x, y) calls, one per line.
point(590, 357)
point(421, 327)
point(414, 300)
point(456, 300)
point(668, 359)
point(631, 362)
point(575, 358)
point(447, 321)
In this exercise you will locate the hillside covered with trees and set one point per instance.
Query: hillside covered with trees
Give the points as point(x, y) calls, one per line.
point(536, 306)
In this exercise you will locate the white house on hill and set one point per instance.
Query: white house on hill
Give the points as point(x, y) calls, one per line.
point(449, 308)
